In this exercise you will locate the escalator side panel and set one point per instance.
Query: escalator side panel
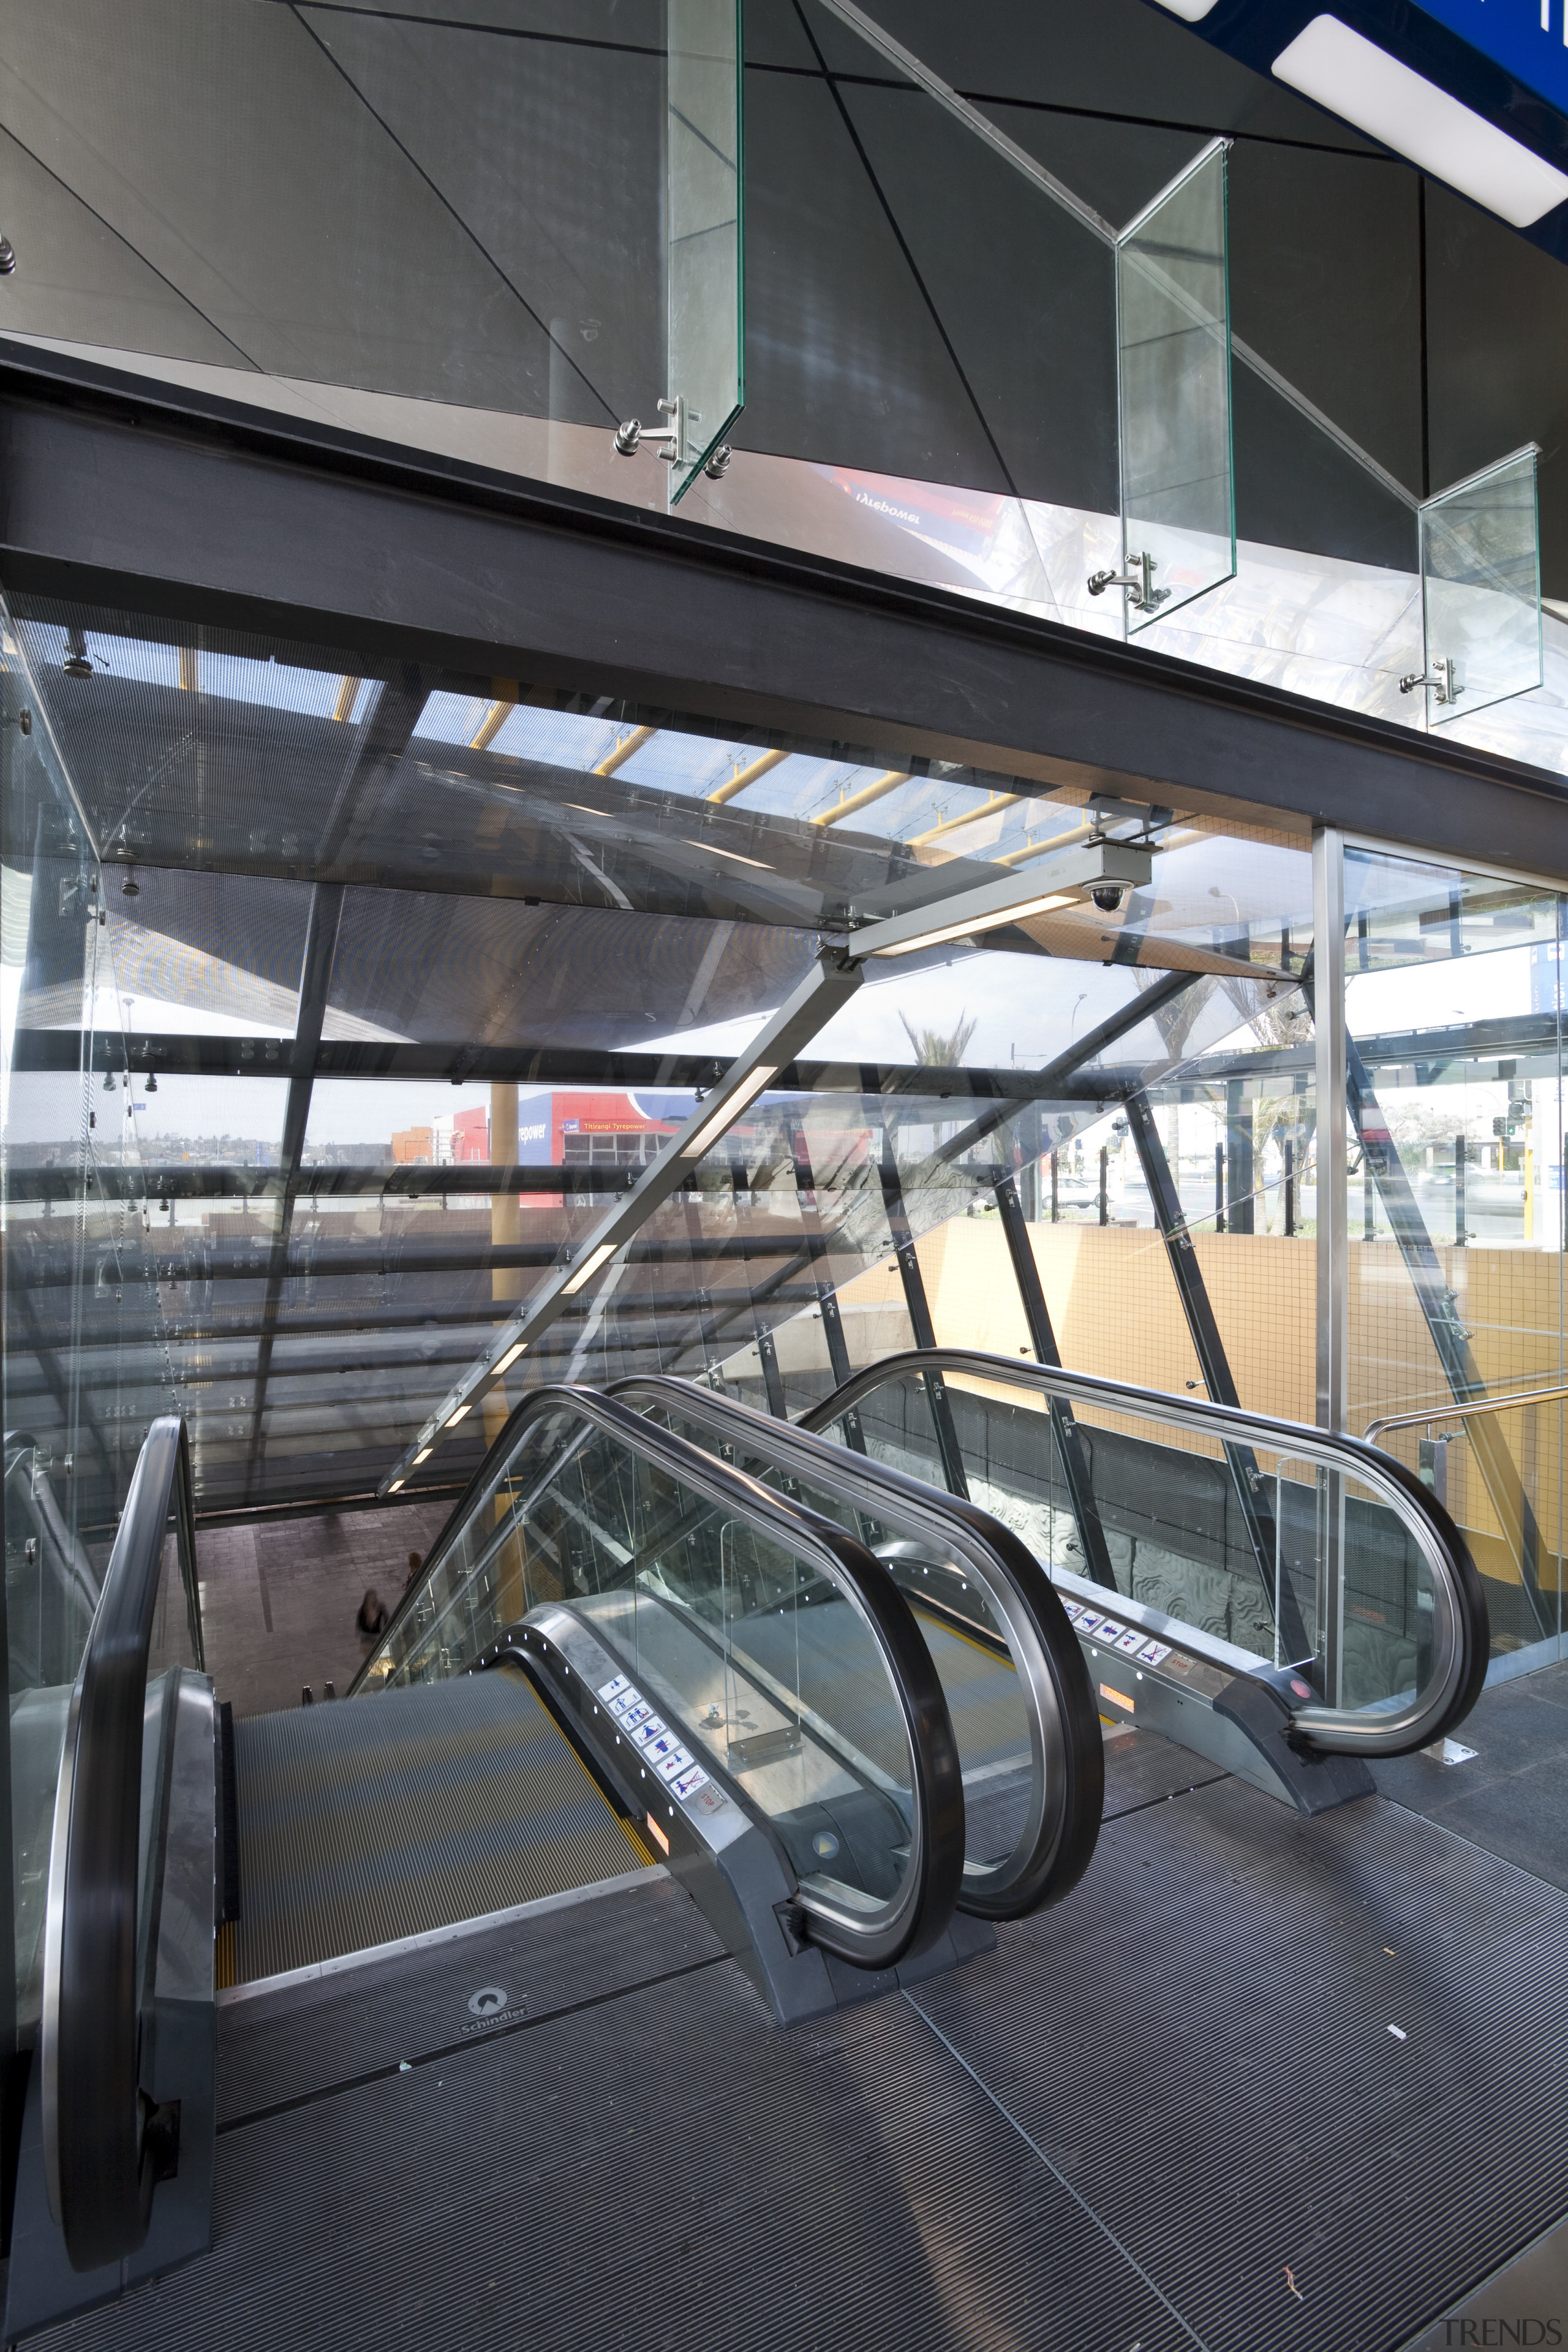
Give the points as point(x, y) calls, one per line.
point(178, 2056)
point(736, 1869)
point(1022, 1708)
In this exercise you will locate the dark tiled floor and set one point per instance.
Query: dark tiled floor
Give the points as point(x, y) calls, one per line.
point(1167, 2113)
point(278, 1602)
point(1511, 1796)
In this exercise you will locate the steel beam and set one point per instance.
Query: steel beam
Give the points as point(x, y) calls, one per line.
point(1076, 1472)
point(1323, 983)
point(149, 498)
point(740, 1192)
point(1208, 1347)
point(817, 1252)
point(200, 1055)
point(393, 1255)
point(917, 1306)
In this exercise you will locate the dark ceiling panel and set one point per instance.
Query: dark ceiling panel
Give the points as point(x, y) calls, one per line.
point(79, 281)
point(226, 147)
point(844, 360)
point(1025, 291)
point(628, 24)
point(551, 153)
point(776, 37)
point(1117, 167)
point(1297, 488)
point(1325, 272)
point(494, 972)
point(1497, 355)
point(256, 926)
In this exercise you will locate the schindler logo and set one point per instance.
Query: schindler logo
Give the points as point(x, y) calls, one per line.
point(1459, 2332)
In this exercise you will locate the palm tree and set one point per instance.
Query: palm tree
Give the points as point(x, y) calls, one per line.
point(936, 1051)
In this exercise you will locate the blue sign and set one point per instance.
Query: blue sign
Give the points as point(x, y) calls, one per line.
point(534, 1145)
point(1526, 37)
point(1546, 976)
point(1504, 62)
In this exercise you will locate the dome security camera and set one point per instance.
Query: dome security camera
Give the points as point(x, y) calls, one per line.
point(1108, 897)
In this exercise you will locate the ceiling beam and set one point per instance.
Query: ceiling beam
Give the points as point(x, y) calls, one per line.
point(123, 493)
point(182, 1054)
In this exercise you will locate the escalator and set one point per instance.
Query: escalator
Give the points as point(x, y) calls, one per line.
point(680, 1684)
point(1283, 1601)
point(739, 1674)
point(1022, 1708)
point(648, 1656)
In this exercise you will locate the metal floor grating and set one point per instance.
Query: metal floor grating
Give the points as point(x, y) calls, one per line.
point(1169, 2112)
point(377, 1818)
point(278, 2046)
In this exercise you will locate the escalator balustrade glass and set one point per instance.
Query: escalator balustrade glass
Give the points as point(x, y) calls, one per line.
point(752, 1644)
point(1188, 1537)
point(1020, 1699)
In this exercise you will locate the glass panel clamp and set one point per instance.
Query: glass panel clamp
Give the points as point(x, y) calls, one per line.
point(1443, 677)
point(1137, 581)
point(672, 442)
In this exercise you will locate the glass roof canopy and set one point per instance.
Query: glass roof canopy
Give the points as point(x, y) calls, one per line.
point(399, 980)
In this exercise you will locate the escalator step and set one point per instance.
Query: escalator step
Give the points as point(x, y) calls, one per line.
point(411, 1810)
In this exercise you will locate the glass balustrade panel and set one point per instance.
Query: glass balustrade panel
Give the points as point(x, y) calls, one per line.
point(1281, 1561)
point(757, 1660)
point(1178, 498)
point(1480, 590)
point(964, 1632)
point(705, 256)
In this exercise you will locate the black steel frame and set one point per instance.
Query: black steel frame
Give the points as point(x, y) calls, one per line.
point(1214, 1365)
point(151, 499)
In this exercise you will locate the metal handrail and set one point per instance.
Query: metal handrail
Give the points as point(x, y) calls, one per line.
point(1374, 1429)
point(1461, 1629)
point(919, 1914)
point(78, 1568)
point(1057, 1840)
point(102, 2143)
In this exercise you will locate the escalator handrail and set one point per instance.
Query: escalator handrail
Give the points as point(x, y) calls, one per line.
point(929, 1891)
point(1461, 1630)
point(1044, 1649)
point(98, 2161)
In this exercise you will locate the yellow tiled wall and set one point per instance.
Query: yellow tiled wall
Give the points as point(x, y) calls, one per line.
point(1115, 1310)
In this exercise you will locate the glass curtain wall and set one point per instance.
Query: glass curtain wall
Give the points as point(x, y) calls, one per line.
point(398, 985)
point(1455, 1244)
point(86, 1363)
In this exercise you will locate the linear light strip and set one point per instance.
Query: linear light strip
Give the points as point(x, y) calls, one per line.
point(589, 1267)
point(969, 928)
point(729, 1110)
point(1352, 78)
